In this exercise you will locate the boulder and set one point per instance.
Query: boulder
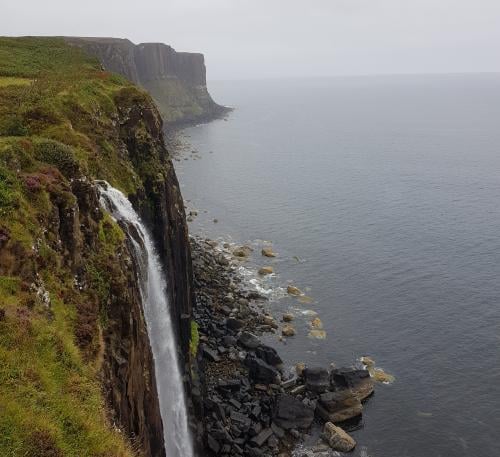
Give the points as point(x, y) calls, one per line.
point(317, 379)
point(338, 406)
point(266, 271)
point(262, 437)
point(242, 251)
point(288, 330)
point(380, 375)
point(299, 368)
point(233, 324)
point(292, 290)
point(291, 413)
point(359, 381)
point(260, 371)
point(316, 323)
point(269, 355)
point(249, 340)
point(337, 438)
point(317, 334)
point(288, 317)
point(268, 252)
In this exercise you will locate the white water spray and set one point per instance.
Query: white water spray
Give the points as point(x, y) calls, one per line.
point(156, 307)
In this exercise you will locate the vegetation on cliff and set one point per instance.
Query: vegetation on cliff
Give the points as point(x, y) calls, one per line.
point(63, 262)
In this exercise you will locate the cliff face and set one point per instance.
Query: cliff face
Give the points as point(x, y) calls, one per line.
point(71, 319)
point(176, 80)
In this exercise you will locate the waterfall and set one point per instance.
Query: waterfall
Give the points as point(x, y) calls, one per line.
point(156, 308)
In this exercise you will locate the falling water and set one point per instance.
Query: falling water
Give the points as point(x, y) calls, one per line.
point(156, 309)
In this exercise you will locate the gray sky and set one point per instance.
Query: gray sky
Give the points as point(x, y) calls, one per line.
point(275, 38)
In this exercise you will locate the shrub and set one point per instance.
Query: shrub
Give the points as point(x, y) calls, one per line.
point(59, 155)
point(13, 126)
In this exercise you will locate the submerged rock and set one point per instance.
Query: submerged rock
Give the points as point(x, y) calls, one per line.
point(316, 323)
point(266, 271)
point(318, 334)
point(288, 330)
point(268, 252)
point(292, 290)
point(337, 438)
point(378, 374)
point(242, 251)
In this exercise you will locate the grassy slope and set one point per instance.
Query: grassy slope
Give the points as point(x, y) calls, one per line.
point(58, 112)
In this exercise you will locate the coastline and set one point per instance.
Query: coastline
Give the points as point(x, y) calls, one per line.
point(247, 401)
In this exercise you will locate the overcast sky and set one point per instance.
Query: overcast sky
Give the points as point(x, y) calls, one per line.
point(294, 38)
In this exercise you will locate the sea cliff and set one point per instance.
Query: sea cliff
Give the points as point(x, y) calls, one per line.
point(77, 374)
point(176, 80)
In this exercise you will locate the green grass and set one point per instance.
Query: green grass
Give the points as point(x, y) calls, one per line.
point(12, 81)
point(58, 122)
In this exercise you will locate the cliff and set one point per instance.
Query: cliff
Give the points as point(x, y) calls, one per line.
point(77, 373)
point(176, 80)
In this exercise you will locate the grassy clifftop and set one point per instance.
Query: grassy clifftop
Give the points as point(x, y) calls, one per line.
point(60, 122)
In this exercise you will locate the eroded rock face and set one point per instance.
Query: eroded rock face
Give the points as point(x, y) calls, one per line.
point(176, 80)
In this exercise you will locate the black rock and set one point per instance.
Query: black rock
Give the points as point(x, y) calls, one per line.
point(233, 324)
point(209, 354)
point(213, 444)
point(269, 355)
point(278, 431)
point(259, 371)
point(262, 437)
point(292, 413)
point(317, 379)
point(249, 340)
point(229, 341)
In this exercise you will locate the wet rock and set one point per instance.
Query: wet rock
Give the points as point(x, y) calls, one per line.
point(337, 438)
point(317, 334)
point(316, 323)
point(359, 381)
point(338, 406)
point(288, 330)
point(317, 379)
point(249, 340)
point(292, 290)
point(242, 251)
point(288, 317)
point(291, 413)
point(268, 252)
point(299, 368)
point(266, 271)
point(380, 375)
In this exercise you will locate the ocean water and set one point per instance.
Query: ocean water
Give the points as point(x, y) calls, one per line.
point(382, 197)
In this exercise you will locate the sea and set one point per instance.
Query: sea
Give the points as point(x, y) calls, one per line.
point(381, 197)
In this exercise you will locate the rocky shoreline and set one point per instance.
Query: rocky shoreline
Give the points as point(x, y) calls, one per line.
point(248, 402)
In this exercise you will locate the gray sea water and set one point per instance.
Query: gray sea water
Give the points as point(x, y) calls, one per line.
point(382, 197)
